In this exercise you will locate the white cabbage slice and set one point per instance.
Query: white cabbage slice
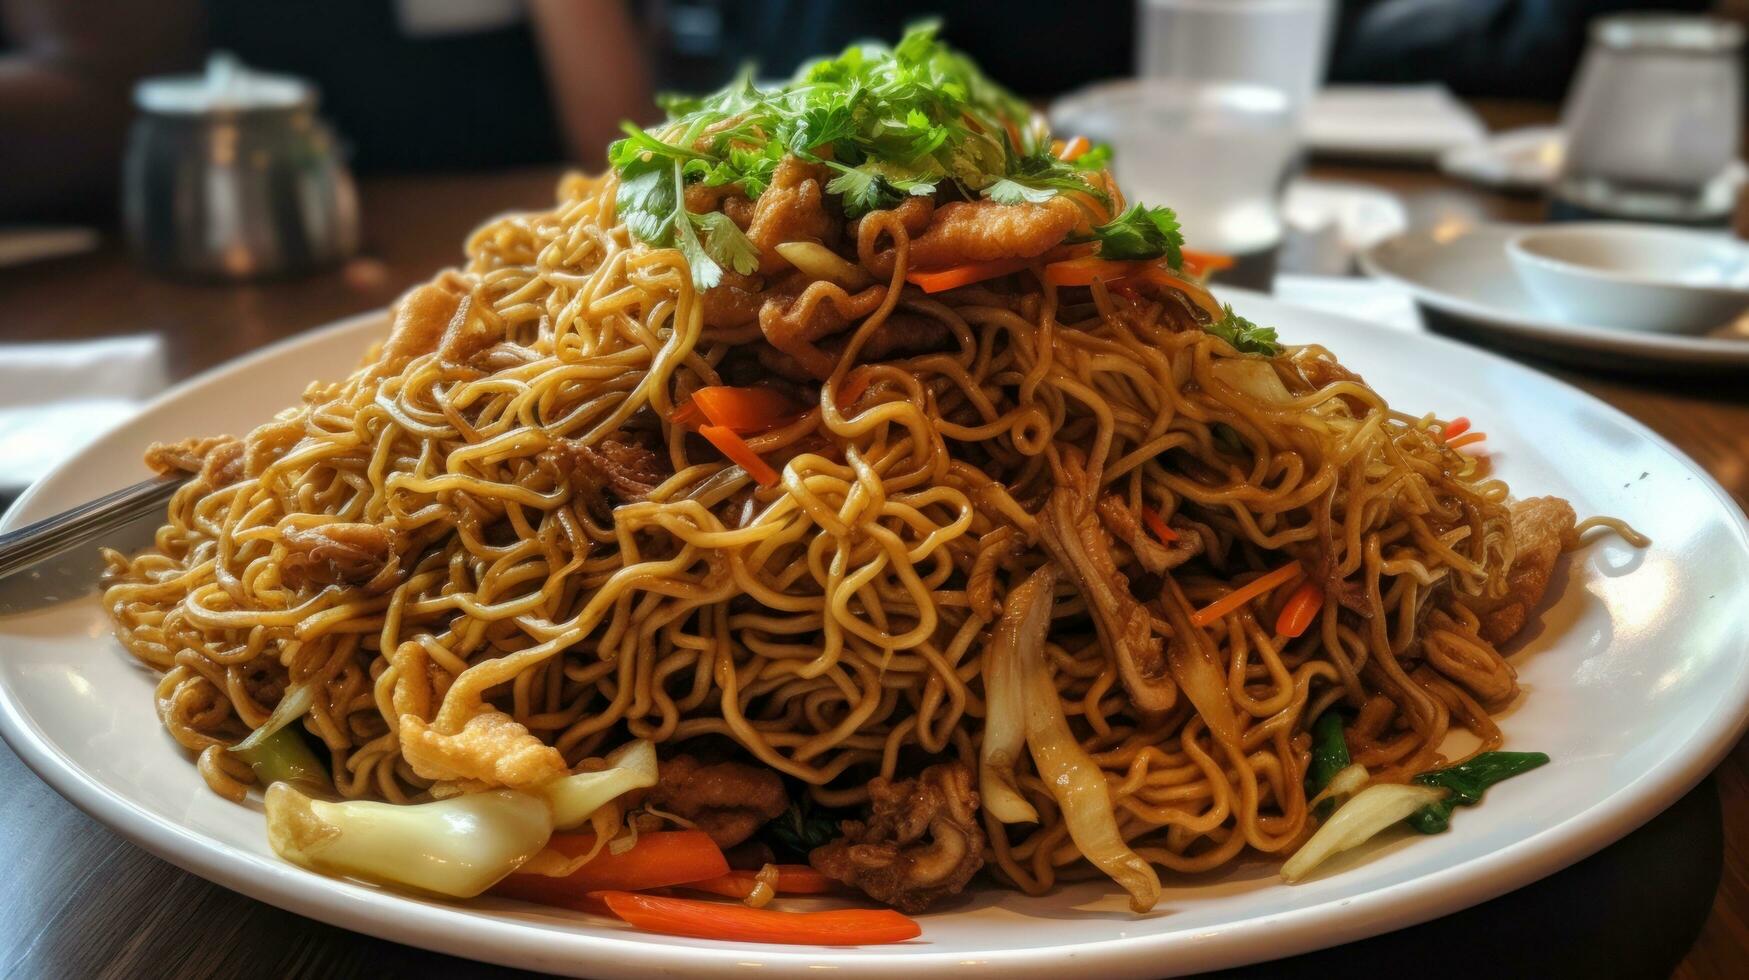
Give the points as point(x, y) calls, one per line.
point(1019, 638)
point(458, 847)
point(1370, 811)
point(573, 798)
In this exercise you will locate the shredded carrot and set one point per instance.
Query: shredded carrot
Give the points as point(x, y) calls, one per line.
point(1456, 427)
point(855, 383)
point(1074, 148)
point(687, 415)
point(745, 410)
point(1262, 585)
point(792, 879)
point(1158, 525)
point(738, 923)
point(1082, 271)
point(658, 859)
point(1468, 438)
point(1301, 608)
point(1202, 263)
point(940, 280)
point(739, 453)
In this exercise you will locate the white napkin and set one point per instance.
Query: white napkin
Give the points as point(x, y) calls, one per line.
point(1389, 122)
point(56, 397)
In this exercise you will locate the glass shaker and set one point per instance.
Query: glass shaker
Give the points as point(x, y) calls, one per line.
point(232, 176)
point(1654, 121)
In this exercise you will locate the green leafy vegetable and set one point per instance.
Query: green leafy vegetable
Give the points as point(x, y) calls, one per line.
point(1142, 233)
point(1466, 783)
point(916, 118)
point(1329, 755)
point(802, 827)
point(285, 756)
point(1245, 336)
point(1009, 191)
point(651, 203)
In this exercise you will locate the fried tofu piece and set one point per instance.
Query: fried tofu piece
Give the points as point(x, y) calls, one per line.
point(982, 231)
point(1541, 527)
point(727, 800)
point(491, 750)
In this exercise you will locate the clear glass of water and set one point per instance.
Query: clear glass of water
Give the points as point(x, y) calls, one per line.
point(1217, 153)
point(1654, 121)
point(1279, 44)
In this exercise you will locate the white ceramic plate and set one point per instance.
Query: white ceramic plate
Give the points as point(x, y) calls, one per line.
point(1465, 275)
point(1637, 681)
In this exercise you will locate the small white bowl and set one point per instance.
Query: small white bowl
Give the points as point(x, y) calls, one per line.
point(1634, 277)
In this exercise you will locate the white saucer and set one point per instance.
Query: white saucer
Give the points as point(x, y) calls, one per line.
point(1464, 276)
point(1528, 158)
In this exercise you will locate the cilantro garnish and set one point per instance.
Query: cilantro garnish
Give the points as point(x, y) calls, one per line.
point(1244, 336)
point(916, 118)
point(1141, 233)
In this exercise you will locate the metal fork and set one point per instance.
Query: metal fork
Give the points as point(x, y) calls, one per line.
point(94, 521)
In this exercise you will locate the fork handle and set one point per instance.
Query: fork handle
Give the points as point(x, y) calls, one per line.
point(51, 536)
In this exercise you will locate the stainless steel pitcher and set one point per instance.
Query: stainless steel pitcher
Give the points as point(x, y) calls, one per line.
point(233, 176)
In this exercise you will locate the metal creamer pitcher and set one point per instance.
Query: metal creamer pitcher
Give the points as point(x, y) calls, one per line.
point(231, 175)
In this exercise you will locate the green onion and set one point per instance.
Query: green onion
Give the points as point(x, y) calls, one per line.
point(1329, 755)
point(1467, 782)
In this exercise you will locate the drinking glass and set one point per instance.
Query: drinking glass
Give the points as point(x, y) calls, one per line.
point(1654, 122)
point(1218, 153)
point(1279, 44)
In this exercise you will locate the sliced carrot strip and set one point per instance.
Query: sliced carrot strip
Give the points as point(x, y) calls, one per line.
point(1201, 263)
point(739, 453)
point(940, 280)
point(855, 384)
point(687, 415)
point(792, 879)
point(657, 860)
point(1301, 609)
point(1074, 148)
point(1262, 585)
point(1456, 427)
point(1467, 439)
point(738, 923)
point(745, 410)
point(1082, 271)
point(1158, 525)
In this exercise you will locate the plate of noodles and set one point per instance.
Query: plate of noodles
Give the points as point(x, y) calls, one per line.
point(847, 534)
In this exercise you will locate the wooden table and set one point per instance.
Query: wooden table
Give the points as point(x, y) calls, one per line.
point(81, 902)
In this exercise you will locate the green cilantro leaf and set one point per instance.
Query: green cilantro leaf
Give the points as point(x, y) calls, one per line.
point(862, 191)
point(646, 204)
point(1142, 233)
point(1245, 336)
point(725, 242)
point(1008, 191)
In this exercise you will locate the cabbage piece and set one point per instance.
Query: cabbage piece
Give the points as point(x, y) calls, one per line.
point(820, 262)
point(573, 798)
point(458, 847)
point(1354, 823)
point(1078, 785)
point(1347, 781)
point(1019, 638)
point(284, 756)
point(293, 704)
point(1252, 376)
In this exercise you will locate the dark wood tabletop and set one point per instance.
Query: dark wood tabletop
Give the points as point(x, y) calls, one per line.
point(82, 902)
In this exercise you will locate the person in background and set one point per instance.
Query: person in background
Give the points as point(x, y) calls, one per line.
point(1521, 49)
point(1517, 48)
point(409, 84)
point(67, 68)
